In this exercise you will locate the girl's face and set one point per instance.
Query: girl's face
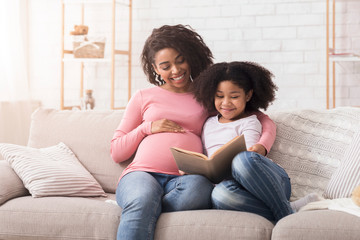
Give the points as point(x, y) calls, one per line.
point(230, 101)
point(173, 69)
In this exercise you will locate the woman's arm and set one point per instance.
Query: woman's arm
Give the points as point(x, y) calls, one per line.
point(133, 129)
point(130, 132)
point(268, 135)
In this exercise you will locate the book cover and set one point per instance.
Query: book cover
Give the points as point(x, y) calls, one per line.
point(216, 167)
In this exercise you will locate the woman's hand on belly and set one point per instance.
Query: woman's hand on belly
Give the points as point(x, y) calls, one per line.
point(165, 125)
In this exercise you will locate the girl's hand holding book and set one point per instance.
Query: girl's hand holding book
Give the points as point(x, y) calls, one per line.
point(260, 149)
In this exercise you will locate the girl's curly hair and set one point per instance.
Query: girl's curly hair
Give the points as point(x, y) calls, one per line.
point(184, 40)
point(247, 75)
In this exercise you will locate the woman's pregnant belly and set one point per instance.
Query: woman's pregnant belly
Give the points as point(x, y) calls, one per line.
point(154, 151)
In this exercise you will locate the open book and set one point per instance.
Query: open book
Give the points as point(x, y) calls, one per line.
point(216, 167)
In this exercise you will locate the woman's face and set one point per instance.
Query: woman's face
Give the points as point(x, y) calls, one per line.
point(230, 101)
point(173, 69)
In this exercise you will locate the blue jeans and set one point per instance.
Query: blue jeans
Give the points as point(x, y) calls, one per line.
point(258, 185)
point(143, 196)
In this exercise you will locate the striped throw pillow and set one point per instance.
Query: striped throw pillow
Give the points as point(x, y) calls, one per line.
point(52, 171)
point(347, 176)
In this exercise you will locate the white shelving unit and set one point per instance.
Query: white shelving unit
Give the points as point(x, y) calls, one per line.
point(330, 57)
point(344, 59)
point(110, 60)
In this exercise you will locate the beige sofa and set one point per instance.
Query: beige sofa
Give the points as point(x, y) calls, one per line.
point(310, 145)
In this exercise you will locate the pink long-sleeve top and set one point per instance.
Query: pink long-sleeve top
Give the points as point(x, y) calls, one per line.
point(152, 151)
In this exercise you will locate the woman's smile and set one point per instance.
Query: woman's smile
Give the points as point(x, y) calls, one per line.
point(178, 78)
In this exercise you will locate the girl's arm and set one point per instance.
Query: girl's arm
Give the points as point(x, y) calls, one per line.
point(268, 134)
point(130, 132)
point(252, 131)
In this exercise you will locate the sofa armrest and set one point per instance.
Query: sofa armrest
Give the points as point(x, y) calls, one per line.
point(11, 185)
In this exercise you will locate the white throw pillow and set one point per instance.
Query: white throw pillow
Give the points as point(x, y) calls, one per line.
point(52, 171)
point(310, 144)
point(347, 176)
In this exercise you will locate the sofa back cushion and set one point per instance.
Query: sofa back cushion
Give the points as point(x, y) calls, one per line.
point(310, 145)
point(87, 133)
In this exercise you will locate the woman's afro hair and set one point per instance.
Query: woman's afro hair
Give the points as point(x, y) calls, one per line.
point(184, 40)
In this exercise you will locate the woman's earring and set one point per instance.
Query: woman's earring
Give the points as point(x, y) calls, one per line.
point(191, 79)
point(159, 79)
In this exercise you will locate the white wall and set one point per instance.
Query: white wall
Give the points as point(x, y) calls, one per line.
point(286, 36)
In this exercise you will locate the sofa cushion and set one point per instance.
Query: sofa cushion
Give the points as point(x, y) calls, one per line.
point(319, 225)
point(53, 218)
point(212, 224)
point(310, 144)
point(11, 185)
point(87, 133)
point(347, 176)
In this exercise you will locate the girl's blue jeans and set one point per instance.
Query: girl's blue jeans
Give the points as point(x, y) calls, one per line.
point(258, 185)
point(143, 196)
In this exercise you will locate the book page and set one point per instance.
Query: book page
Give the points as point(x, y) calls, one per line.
point(191, 153)
point(215, 168)
point(191, 163)
point(221, 160)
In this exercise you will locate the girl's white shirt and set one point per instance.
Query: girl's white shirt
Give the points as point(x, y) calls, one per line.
point(216, 134)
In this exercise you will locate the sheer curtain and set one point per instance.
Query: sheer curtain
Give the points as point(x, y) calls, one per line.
point(15, 104)
point(14, 83)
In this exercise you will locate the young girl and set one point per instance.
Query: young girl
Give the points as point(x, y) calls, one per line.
point(237, 90)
